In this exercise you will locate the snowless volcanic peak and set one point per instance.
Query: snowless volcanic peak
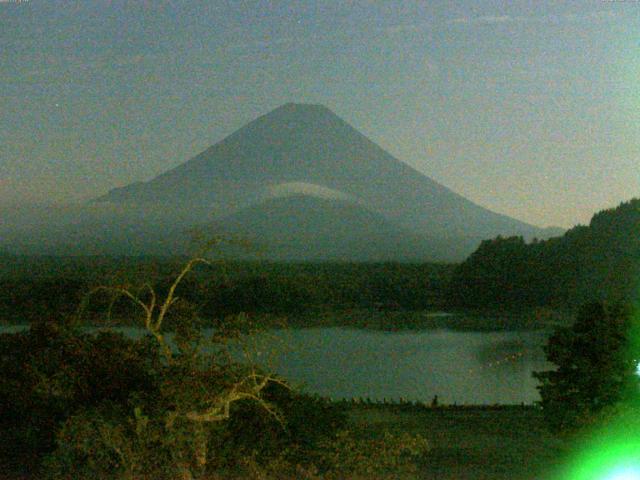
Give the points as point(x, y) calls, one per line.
point(307, 150)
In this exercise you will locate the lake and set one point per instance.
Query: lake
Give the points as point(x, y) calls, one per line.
point(459, 366)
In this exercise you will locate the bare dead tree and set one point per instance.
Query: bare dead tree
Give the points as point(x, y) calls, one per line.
point(216, 408)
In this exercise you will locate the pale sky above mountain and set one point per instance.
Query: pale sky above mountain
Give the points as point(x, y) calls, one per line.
point(531, 109)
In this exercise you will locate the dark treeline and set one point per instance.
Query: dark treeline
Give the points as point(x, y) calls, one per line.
point(598, 262)
point(31, 286)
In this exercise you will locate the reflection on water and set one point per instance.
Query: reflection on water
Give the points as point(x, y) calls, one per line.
point(461, 367)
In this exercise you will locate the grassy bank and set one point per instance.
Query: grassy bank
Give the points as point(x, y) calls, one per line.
point(470, 443)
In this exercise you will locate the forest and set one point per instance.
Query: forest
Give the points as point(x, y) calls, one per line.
point(596, 262)
point(31, 285)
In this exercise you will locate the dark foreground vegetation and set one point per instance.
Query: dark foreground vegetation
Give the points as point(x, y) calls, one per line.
point(79, 405)
point(597, 363)
point(104, 406)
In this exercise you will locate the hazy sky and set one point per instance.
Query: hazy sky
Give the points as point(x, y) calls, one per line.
point(528, 108)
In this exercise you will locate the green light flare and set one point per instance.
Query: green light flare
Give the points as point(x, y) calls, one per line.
point(624, 473)
point(613, 453)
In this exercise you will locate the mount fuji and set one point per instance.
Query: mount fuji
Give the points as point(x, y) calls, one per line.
point(305, 185)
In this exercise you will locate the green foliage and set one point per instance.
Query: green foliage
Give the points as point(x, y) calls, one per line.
point(29, 287)
point(308, 421)
point(392, 456)
point(346, 456)
point(589, 263)
point(25, 299)
point(596, 368)
point(96, 444)
point(118, 444)
point(499, 272)
point(156, 441)
point(262, 293)
point(50, 371)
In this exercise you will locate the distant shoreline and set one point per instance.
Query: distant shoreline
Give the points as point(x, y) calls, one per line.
point(378, 320)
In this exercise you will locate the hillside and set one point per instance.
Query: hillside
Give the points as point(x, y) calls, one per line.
point(600, 261)
point(301, 227)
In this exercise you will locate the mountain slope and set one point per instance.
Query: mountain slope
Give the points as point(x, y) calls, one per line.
point(300, 227)
point(309, 143)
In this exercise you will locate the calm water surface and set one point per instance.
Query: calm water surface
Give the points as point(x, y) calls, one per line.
point(460, 367)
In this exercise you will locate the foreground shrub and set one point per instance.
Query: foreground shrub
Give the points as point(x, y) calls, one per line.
point(53, 370)
point(596, 367)
point(110, 444)
point(306, 422)
point(345, 457)
point(392, 456)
